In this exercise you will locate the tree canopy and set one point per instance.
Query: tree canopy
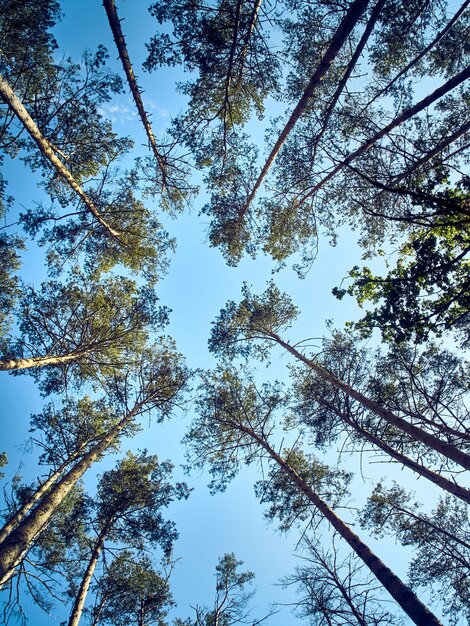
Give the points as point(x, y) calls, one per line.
point(153, 161)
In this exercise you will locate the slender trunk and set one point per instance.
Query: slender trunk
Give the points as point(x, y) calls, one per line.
point(120, 42)
point(45, 147)
point(15, 547)
point(452, 83)
point(434, 477)
point(421, 55)
point(429, 523)
point(86, 581)
point(442, 447)
point(342, 83)
point(251, 28)
point(37, 495)
point(402, 594)
point(38, 361)
point(348, 23)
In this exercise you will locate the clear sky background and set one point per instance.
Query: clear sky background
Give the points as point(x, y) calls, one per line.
point(197, 286)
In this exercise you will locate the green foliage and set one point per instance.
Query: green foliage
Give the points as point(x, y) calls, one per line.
point(129, 502)
point(231, 410)
point(75, 239)
point(226, 45)
point(231, 595)
point(249, 327)
point(3, 462)
point(80, 320)
point(426, 293)
point(288, 503)
point(231, 174)
point(441, 540)
point(9, 283)
point(67, 431)
point(67, 109)
point(156, 380)
point(132, 592)
point(27, 44)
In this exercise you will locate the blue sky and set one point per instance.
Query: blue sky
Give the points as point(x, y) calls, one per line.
point(197, 286)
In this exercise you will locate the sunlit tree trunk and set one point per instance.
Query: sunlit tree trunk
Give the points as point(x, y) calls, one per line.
point(15, 547)
point(118, 35)
point(21, 513)
point(86, 581)
point(47, 150)
point(38, 361)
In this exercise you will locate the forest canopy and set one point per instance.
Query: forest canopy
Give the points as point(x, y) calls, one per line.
point(234, 252)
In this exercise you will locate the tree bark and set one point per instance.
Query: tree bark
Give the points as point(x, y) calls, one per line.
point(21, 513)
point(446, 449)
point(402, 594)
point(86, 581)
point(15, 547)
point(47, 150)
point(38, 361)
point(120, 42)
point(348, 23)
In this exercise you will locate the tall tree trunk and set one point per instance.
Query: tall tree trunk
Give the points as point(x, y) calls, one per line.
point(116, 29)
point(452, 83)
point(15, 547)
point(47, 150)
point(37, 495)
point(342, 83)
point(442, 447)
point(38, 361)
point(348, 23)
point(402, 594)
point(86, 580)
point(434, 477)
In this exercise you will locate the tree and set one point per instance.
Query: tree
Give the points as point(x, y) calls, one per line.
point(252, 328)
point(227, 46)
point(64, 435)
point(127, 511)
point(235, 425)
point(231, 596)
point(330, 152)
point(56, 551)
point(74, 333)
point(171, 185)
point(48, 152)
point(95, 209)
point(333, 590)
point(153, 385)
point(428, 389)
point(132, 591)
point(440, 540)
point(9, 283)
